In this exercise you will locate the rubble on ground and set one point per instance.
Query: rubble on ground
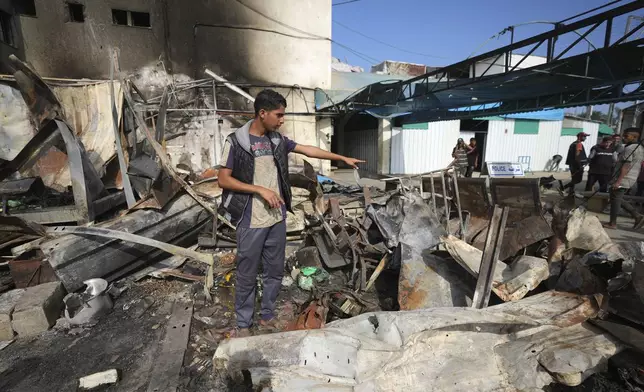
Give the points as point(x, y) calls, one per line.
point(416, 283)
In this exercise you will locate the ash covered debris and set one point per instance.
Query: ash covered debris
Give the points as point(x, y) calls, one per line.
point(560, 298)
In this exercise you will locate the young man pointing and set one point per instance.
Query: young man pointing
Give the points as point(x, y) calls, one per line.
point(257, 194)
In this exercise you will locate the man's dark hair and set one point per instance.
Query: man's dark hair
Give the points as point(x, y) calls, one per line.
point(269, 100)
point(472, 139)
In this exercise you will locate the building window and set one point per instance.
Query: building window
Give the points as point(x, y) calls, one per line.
point(26, 7)
point(76, 12)
point(6, 29)
point(131, 18)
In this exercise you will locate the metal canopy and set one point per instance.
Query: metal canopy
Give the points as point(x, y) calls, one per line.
point(613, 72)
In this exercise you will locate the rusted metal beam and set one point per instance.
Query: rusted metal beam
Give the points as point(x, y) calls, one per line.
point(205, 258)
point(490, 256)
point(458, 202)
point(159, 134)
point(376, 273)
point(127, 186)
point(82, 198)
point(163, 158)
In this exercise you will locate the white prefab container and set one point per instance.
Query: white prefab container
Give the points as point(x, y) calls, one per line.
point(415, 151)
point(503, 145)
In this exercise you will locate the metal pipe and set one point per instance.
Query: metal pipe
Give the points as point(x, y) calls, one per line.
point(431, 181)
point(229, 85)
point(458, 203)
point(127, 186)
point(244, 112)
point(445, 199)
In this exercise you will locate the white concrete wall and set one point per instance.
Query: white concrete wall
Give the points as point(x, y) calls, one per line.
point(499, 65)
point(504, 146)
point(415, 151)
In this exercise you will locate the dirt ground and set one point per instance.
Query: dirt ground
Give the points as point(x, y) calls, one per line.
point(129, 338)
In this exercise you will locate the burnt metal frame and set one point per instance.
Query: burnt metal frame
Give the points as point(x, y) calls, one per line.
point(532, 183)
point(493, 243)
point(85, 208)
point(379, 95)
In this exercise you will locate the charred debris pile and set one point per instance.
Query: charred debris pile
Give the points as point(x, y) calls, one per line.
point(107, 186)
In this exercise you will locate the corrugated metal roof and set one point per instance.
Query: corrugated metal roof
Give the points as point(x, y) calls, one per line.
point(344, 84)
point(548, 115)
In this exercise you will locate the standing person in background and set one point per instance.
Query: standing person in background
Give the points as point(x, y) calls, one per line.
point(629, 165)
point(640, 182)
point(459, 153)
point(617, 144)
point(554, 163)
point(576, 160)
point(257, 194)
point(601, 162)
point(472, 157)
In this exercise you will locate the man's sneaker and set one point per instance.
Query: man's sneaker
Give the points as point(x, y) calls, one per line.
point(239, 333)
point(273, 325)
point(639, 222)
point(609, 226)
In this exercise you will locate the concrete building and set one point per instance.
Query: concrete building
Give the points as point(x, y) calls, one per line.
point(498, 66)
point(275, 42)
point(632, 116)
point(11, 41)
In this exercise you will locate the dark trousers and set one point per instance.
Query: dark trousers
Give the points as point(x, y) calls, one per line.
point(266, 245)
point(640, 188)
point(603, 180)
point(617, 201)
point(577, 176)
point(470, 170)
point(461, 171)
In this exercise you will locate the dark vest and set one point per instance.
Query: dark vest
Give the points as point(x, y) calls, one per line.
point(572, 150)
point(234, 203)
point(602, 162)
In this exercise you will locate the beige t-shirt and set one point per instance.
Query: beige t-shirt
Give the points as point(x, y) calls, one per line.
point(258, 213)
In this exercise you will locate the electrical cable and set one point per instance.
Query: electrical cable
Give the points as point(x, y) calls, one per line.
point(345, 2)
point(367, 58)
point(329, 98)
point(280, 22)
point(386, 44)
point(361, 55)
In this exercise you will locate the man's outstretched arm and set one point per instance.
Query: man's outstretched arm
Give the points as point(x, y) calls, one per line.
point(314, 152)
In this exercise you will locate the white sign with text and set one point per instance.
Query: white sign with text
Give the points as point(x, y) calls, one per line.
point(505, 169)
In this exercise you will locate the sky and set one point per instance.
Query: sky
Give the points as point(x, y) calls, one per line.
point(443, 32)
point(448, 29)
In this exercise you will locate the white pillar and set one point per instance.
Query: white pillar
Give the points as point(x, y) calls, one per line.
point(384, 146)
point(324, 129)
